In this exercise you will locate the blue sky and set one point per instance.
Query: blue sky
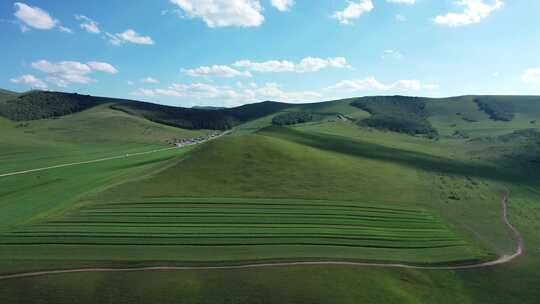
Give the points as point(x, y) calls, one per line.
point(231, 52)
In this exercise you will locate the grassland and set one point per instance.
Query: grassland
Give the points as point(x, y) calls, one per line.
point(308, 192)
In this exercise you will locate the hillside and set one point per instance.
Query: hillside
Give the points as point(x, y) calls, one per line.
point(279, 188)
point(36, 105)
point(192, 118)
point(7, 95)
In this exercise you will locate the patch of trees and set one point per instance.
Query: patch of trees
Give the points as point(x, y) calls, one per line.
point(496, 109)
point(397, 114)
point(41, 105)
point(292, 118)
point(192, 118)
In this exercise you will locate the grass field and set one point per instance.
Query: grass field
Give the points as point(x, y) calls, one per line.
point(324, 190)
point(243, 222)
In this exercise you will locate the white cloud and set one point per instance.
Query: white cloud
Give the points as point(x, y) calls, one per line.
point(392, 54)
point(129, 82)
point(240, 94)
point(88, 24)
point(271, 66)
point(102, 67)
point(475, 11)
point(215, 71)
point(30, 80)
point(531, 76)
point(372, 84)
point(283, 5)
point(66, 72)
point(150, 80)
point(353, 11)
point(308, 64)
point(34, 17)
point(129, 36)
point(65, 29)
point(223, 13)
point(402, 1)
point(37, 18)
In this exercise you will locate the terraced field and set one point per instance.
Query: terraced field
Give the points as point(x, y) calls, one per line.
point(234, 222)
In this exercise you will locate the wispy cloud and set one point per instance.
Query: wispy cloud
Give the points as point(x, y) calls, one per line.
point(129, 36)
point(216, 71)
point(306, 65)
point(88, 24)
point(64, 73)
point(36, 18)
point(149, 80)
point(372, 84)
point(230, 95)
point(531, 76)
point(30, 80)
point(475, 11)
point(283, 5)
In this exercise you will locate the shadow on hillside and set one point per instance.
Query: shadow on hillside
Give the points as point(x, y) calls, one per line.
point(402, 157)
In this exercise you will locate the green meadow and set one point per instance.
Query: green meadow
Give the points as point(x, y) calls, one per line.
point(329, 189)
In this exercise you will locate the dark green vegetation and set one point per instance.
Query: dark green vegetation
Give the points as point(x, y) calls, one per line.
point(292, 118)
point(43, 104)
point(495, 108)
point(328, 189)
point(215, 119)
point(398, 113)
point(39, 105)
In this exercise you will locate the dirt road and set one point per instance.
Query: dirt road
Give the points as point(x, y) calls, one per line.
point(104, 159)
point(501, 260)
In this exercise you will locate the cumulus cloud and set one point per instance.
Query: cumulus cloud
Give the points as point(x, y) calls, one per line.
point(31, 81)
point(306, 65)
point(88, 24)
point(149, 80)
point(354, 10)
point(66, 72)
point(223, 13)
point(475, 11)
point(402, 1)
point(36, 18)
point(531, 76)
point(283, 5)
point(129, 36)
point(240, 94)
point(216, 71)
point(372, 84)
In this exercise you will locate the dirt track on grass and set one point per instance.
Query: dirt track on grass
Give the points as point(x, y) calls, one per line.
point(106, 158)
point(499, 261)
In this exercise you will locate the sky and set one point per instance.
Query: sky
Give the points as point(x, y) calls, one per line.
point(233, 52)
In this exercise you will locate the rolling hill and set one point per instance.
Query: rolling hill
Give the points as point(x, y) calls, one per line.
point(391, 179)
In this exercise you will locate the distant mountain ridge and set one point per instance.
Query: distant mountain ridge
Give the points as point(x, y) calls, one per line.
point(416, 116)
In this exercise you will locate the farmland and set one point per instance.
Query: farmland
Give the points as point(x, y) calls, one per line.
point(248, 222)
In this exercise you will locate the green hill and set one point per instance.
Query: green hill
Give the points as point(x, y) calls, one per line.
point(7, 95)
point(191, 118)
point(350, 184)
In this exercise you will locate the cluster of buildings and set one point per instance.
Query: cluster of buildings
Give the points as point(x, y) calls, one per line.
point(192, 141)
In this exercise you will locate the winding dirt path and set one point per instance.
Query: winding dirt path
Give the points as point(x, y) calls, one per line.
point(501, 260)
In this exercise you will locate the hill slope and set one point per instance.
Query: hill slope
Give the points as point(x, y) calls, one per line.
point(330, 188)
